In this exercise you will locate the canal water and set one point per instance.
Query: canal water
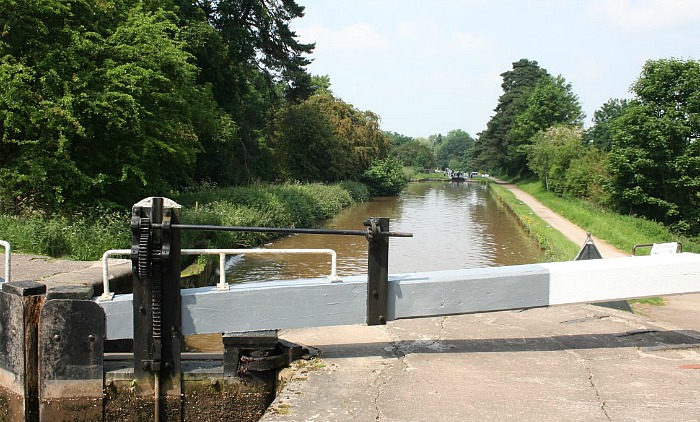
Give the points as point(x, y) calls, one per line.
point(454, 225)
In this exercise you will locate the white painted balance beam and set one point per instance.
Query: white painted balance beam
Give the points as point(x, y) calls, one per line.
point(319, 302)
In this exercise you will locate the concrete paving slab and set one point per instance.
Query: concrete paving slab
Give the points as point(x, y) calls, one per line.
point(574, 363)
point(680, 310)
point(57, 272)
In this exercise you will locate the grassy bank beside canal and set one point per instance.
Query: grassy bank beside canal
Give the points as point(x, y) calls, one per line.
point(555, 245)
point(263, 205)
point(621, 231)
point(87, 235)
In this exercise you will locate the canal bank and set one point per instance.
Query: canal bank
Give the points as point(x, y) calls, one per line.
point(557, 222)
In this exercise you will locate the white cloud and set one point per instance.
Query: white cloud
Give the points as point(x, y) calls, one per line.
point(358, 37)
point(470, 42)
point(420, 30)
point(645, 14)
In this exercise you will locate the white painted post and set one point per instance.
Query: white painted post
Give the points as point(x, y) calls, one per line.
point(8, 254)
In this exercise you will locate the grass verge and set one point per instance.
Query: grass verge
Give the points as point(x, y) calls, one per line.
point(86, 237)
point(555, 245)
point(621, 231)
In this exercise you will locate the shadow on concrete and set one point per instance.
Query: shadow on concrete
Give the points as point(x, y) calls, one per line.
point(651, 340)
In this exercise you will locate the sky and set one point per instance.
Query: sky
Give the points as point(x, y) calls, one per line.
point(431, 66)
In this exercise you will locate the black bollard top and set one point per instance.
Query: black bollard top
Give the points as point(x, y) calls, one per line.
point(24, 288)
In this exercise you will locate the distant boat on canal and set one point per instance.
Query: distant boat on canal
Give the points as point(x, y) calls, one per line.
point(458, 176)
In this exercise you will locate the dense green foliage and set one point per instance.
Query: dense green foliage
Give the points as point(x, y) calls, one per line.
point(453, 151)
point(326, 139)
point(551, 153)
point(450, 151)
point(601, 134)
point(641, 157)
point(104, 103)
point(551, 103)
point(108, 102)
point(655, 154)
point(80, 237)
point(86, 237)
point(496, 147)
point(415, 153)
point(385, 177)
point(288, 205)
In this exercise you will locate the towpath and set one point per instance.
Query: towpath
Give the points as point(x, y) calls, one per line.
point(573, 232)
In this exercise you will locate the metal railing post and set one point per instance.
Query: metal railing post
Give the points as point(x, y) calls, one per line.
point(8, 255)
point(377, 270)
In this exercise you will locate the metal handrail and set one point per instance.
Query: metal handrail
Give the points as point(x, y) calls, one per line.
point(222, 285)
point(651, 245)
point(8, 253)
point(280, 230)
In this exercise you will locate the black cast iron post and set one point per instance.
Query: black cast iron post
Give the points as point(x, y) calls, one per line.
point(155, 254)
point(377, 270)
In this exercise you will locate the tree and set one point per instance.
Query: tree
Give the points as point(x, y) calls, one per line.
point(490, 151)
point(415, 154)
point(601, 133)
point(104, 108)
point(454, 150)
point(552, 102)
point(362, 140)
point(398, 139)
point(587, 176)
point(308, 148)
point(385, 177)
point(111, 101)
point(551, 154)
point(326, 139)
point(254, 62)
point(655, 153)
point(257, 32)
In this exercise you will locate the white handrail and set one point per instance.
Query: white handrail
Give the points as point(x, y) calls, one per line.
point(222, 285)
point(8, 253)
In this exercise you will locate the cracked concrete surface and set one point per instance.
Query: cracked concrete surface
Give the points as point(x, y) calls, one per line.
point(574, 363)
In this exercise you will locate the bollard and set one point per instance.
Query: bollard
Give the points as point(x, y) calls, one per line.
point(20, 304)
